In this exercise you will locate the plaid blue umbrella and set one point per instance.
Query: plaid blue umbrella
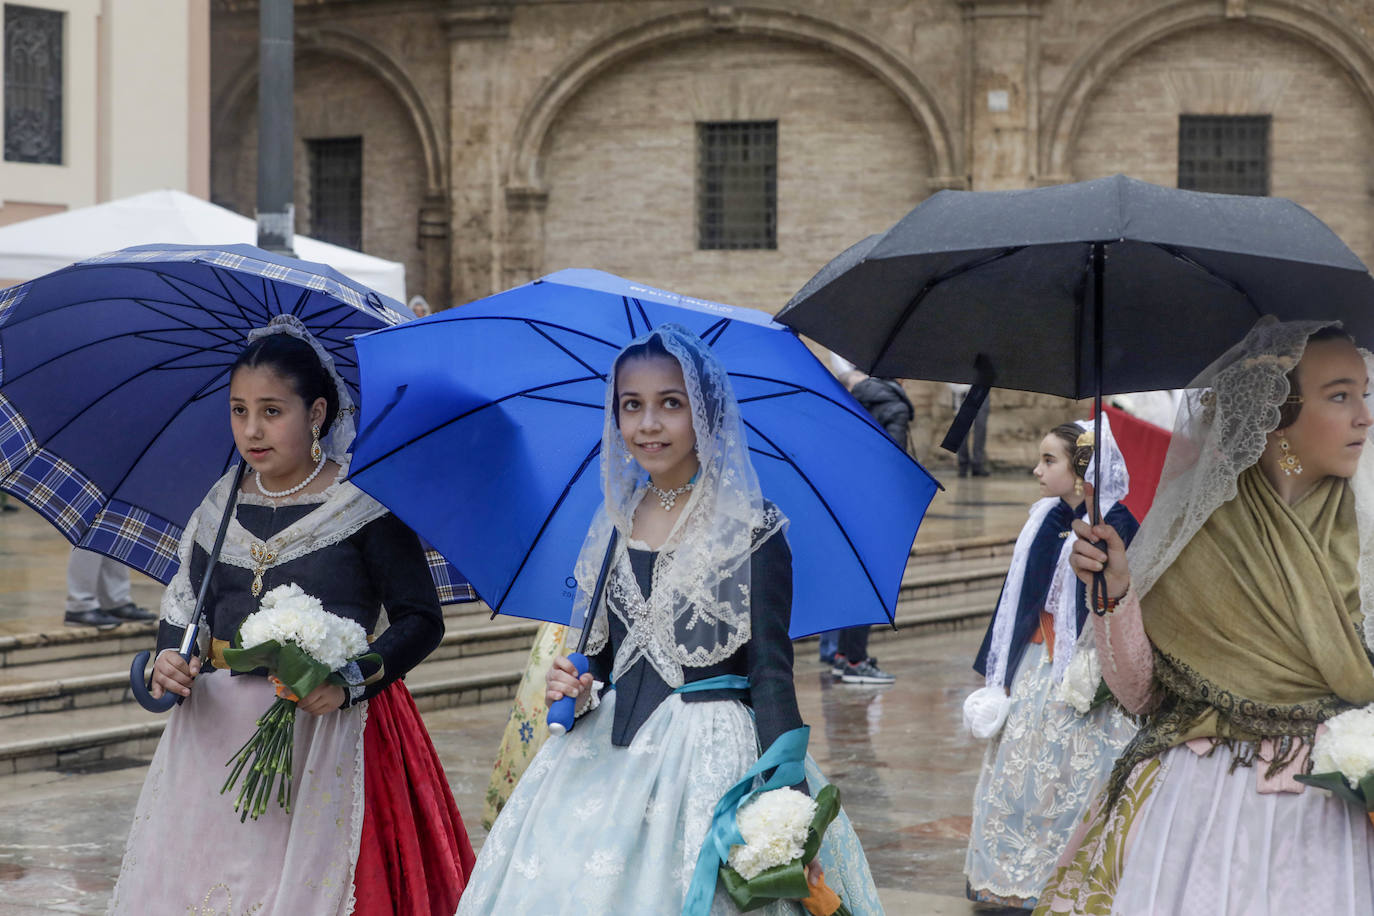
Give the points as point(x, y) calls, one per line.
point(114, 375)
point(493, 411)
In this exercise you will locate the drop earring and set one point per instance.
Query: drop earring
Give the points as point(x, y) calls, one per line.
point(316, 453)
point(1289, 460)
point(1078, 487)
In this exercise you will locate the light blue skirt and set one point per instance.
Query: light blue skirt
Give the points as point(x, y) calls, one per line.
point(1039, 776)
point(597, 829)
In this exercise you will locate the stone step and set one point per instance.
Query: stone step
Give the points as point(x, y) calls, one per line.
point(71, 737)
point(935, 570)
point(82, 733)
point(103, 679)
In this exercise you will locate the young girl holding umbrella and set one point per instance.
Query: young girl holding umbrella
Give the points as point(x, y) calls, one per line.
point(1044, 766)
point(372, 828)
point(612, 816)
point(1240, 620)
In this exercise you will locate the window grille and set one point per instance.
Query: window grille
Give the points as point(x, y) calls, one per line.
point(336, 191)
point(737, 184)
point(33, 84)
point(1225, 154)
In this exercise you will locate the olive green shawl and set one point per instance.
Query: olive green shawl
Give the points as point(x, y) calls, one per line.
point(1257, 625)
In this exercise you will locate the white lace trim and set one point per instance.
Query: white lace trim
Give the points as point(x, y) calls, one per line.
point(355, 821)
point(343, 511)
point(698, 610)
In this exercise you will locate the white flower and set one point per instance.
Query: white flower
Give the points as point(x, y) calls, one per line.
point(288, 615)
point(1079, 687)
point(1347, 746)
point(774, 825)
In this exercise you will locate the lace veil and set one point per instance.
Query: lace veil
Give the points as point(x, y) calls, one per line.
point(698, 610)
point(1221, 430)
point(340, 436)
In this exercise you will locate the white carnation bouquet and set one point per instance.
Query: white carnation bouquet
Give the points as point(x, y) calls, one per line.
point(302, 646)
point(1343, 758)
point(782, 830)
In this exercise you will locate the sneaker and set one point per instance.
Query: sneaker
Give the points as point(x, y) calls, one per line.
point(866, 673)
point(8, 507)
point(92, 618)
point(129, 612)
point(837, 664)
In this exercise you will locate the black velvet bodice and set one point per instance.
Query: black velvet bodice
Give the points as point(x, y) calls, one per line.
point(381, 565)
point(766, 659)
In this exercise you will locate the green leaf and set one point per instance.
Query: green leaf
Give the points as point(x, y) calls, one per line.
point(781, 882)
point(1335, 784)
point(298, 671)
point(263, 655)
point(827, 809)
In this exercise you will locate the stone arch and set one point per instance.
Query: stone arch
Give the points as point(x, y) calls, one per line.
point(524, 170)
point(1065, 117)
point(378, 63)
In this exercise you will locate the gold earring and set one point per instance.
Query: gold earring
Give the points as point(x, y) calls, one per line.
point(1289, 460)
point(315, 451)
point(1078, 486)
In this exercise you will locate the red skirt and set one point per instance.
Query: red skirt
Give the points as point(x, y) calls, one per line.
point(415, 857)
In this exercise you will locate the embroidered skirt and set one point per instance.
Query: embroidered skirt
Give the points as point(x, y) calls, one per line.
point(1039, 776)
point(592, 828)
point(1192, 837)
point(188, 853)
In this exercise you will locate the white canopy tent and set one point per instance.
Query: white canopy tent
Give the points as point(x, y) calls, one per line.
point(38, 246)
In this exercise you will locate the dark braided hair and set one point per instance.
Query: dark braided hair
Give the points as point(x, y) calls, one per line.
point(294, 360)
point(1080, 456)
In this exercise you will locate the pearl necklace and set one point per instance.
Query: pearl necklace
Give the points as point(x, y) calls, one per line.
point(270, 494)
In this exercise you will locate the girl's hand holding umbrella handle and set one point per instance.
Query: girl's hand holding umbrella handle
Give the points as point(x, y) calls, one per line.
point(569, 686)
point(172, 678)
point(1089, 557)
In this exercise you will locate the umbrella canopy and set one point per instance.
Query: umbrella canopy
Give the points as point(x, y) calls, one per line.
point(1018, 277)
point(113, 384)
point(483, 424)
point(41, 245)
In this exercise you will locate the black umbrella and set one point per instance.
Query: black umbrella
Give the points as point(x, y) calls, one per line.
point(1078, 290)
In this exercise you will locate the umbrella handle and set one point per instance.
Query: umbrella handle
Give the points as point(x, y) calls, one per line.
point(563, 712)
point(140, 689)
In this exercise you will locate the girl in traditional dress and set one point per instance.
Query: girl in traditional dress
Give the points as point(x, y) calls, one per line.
point(373, 828)
point(1238, 622)
point(1043, 768)
point(692, 634)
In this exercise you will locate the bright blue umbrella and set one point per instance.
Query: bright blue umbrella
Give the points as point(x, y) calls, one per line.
point(482, 431)
point(114, 418)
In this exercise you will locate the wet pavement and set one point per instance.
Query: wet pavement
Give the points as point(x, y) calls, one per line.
point(905, 768)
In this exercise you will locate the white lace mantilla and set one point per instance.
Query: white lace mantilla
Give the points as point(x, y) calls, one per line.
point(698, 611)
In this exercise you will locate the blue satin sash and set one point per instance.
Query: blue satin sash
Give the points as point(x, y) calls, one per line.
point(786, 758)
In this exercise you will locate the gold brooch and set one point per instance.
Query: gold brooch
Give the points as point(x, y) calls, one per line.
point(264, 558)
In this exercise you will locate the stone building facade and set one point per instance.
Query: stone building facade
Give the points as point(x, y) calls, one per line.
point(504, 140)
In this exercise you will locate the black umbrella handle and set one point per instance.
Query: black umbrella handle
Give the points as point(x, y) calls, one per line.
point(137, 684)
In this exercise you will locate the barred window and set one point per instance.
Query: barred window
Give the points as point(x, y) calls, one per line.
point(737, 184)
point(33, 84)
point(336, 190)
point(1226, 154)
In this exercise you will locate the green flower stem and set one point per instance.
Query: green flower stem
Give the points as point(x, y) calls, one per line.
point(263, 759)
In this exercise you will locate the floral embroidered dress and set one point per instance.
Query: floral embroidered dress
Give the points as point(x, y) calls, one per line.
point(1045, 766)
point(610, 817)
